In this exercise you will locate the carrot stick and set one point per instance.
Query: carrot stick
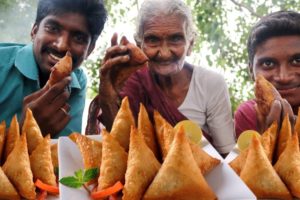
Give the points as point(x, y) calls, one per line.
point(108, 191)
point(43, 195)
point(49, 188)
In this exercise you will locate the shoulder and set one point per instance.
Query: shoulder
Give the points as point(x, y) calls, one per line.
point(81, 76)
point(8, 52)
point(208, 77)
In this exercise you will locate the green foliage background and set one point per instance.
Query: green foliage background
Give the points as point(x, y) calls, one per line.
point(223, 27)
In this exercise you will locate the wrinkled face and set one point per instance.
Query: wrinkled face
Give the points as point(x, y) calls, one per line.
point(166, 44)
point(278, 60)
point(57, 34)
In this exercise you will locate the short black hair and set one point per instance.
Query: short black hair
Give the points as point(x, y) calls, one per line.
point(281, 23)
point(93, 10)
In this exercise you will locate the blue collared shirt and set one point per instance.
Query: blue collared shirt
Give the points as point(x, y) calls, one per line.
point(19, 77)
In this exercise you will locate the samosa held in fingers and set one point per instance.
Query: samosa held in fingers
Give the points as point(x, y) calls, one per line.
point(142, 167)
point(179, 177)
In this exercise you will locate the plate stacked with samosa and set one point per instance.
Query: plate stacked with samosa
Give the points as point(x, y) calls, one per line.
point(26, 161)
point(147, 162)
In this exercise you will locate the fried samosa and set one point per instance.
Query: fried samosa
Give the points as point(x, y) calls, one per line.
point(268, 139)
point(260, 176)
point(33, 131)
point(179, 177)
point(284, 135)
point(54, 155)
point(265, 94)
point(12, 136)
point(137, 60)
point(17, 169)
point(61, 69)
point(7, 190)
point(113, 163)
point(122, 123)
point(238, 162)
point(145, 128)
point(288, 166)
point(41, 162)
point(2, 138)
point(297, 124)
point(140, 171)
point(91, 150)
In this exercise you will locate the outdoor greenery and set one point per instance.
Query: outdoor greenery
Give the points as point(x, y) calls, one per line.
point(223, 27)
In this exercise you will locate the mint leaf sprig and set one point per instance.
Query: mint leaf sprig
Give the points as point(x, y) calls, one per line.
point(80, 178)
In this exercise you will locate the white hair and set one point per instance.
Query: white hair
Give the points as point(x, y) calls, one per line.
point(154, 8)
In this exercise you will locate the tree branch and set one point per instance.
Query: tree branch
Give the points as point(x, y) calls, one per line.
point(241, 5)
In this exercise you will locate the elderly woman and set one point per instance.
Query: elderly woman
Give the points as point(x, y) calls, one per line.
point(177, 89)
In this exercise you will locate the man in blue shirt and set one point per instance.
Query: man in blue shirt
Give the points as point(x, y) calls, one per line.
point(60, 26)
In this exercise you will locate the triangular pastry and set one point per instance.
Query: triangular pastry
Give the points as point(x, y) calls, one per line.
point(91, 150)
point(17, 169)
point(288, 166)
point(179, 177)
point(269, 138)
point(238, 162)
point(140, 171)
point(61, 69)
point(33, 131)
point(2, 138)
point(7, 190)
point(260, 176)
point(113, 163)
point(12, 136)
point(54, 155)
point(284, 135)
point(41, 163)
point(145, 128)
point(122, 123)
point(297, 124)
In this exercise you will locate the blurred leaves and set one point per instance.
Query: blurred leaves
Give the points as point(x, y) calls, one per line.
point(223, 28)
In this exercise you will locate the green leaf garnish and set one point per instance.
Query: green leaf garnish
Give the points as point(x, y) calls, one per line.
point(80, 177)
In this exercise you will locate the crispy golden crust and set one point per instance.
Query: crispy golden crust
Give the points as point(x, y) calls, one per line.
point(17, 168)
point(113, 163)
point(284, 135)
point(122, 123)
point(140, 171)
point(265, 94)
point(33, 131)
point(179, 176)
point(61, 69)
point(12, 136)
point(41, 163)
point(7, 190)
point(54, 155)
point(260, 176)
point(2, 138)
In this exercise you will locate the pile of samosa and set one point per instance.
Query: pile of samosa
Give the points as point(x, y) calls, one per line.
point(270, 166)
point(25, 157)
point(152, 161)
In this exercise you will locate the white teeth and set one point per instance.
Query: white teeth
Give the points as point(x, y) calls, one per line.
point(55, 57)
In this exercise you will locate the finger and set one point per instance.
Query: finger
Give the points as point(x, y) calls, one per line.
point(114, 39)
point(110, 63)
point(114, 51)
point(59, 122)
point(67, 107)
point(287, 110)
point(260, 119)
point(57, 89)
point(274, 114)
point(36, 95)
point(60, 100)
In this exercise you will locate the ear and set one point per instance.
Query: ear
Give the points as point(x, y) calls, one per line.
point(250, 70)
point(189, 51)
point(34, 31)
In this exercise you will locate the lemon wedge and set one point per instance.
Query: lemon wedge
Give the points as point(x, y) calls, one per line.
point(245, 139)
point(192, 130)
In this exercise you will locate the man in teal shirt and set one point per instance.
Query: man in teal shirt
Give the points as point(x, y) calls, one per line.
point(60, 26)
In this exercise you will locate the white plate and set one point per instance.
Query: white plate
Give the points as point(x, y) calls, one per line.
point(222, 179)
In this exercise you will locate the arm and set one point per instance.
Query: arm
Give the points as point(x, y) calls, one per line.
point(219, 117)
